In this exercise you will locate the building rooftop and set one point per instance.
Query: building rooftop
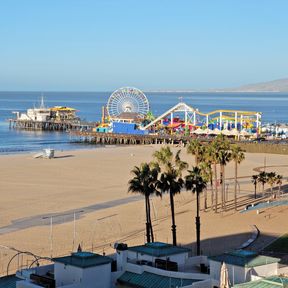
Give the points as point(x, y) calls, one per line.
point(270, 282)
point(148, 280)
point(244, 258)
point(83, 259)
point(129, 115)
point(159, 249)
point(9, 281)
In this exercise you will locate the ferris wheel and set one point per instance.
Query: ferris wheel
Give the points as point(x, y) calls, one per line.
point(127, 99)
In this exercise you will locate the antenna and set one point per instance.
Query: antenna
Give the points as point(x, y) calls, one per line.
point(42, 106)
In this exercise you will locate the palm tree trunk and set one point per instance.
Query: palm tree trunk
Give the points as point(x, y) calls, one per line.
point(279, 190)
point(255, 190)
point(212, 192)
point(216, 188)
point(222, 186)
point(150, 221)
point(205, 199)
point(235, 187)
point(147, 220)
point(197, 218)
point(173, 227)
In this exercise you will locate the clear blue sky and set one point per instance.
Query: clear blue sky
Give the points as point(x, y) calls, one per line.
point(96, 45)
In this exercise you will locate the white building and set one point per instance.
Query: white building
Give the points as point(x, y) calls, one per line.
point(154, 265)
point(160, 265)
point(243, 266)
point(35, 114)
point(80, 269)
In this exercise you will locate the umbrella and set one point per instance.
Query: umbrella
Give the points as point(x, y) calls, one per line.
point(224, 279)
point(244, 133)
point(208, 131)
point(226, 132)
point(234, 132)
point(216, 131)
point(199, 131)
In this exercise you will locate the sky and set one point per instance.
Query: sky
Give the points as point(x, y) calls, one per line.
point(101, 45)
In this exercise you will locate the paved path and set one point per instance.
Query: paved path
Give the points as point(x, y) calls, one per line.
point(65, 216)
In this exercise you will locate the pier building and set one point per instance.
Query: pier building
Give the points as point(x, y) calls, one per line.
point(57, 118)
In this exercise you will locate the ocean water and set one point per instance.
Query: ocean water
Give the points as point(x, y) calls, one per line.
point(274, 107)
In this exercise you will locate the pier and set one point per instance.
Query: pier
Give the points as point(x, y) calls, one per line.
point(50, 125)
point(126, 139)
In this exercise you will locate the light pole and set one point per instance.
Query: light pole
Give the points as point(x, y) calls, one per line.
point(51, 234)
point(51, 227)
point(74, 227)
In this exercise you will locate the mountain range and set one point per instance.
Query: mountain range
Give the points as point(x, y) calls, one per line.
point(280, 85)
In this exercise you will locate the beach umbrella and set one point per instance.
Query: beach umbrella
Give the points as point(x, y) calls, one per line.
point(234, 132)
point(244, 133)
point(208, 131)
point(226, 132)
point(224, 279)
point(199, 131)
point(215, 131)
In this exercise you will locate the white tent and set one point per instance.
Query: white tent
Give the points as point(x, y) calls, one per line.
point(234, 132)
point(199, 131)
point(226, 132)
point(244, 133)
point(216, 131)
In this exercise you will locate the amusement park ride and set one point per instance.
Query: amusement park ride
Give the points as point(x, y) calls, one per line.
point(130, 105)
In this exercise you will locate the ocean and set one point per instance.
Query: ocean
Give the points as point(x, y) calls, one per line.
point(274, 107)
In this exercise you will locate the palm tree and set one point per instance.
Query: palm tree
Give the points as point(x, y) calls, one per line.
point(223, 156)
point(171, 178)
point(279, 183)
point(194, 148)
point(144, 183)
point(213, 158)
point(238, 156)
point(209, 159)
point(254, 180)
point(271, 179)
point(206, 173)
point(262, 178)
point(196, 183)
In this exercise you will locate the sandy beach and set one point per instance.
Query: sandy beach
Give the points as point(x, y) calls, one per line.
point(92, 185)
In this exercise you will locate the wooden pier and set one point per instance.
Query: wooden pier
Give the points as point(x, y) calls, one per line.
point(51, 125)
point(126, 139)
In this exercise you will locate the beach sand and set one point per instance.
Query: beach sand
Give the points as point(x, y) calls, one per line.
point(33, 190)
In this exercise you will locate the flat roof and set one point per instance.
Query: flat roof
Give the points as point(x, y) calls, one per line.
point(148, 280)
point(9, 281)
point(83, 259)
point(270, 282)
point(244, 258)
point(158, 249)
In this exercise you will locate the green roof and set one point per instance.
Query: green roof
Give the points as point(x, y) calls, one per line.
point(9, 281)
point(270, 282)
point(244, 258)
point(148, 280)
point(158, 249)
point(83, 259)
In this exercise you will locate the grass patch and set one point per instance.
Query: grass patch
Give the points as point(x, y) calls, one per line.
point(279, 246)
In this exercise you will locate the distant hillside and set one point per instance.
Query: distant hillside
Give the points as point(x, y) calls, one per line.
point(280, 85)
